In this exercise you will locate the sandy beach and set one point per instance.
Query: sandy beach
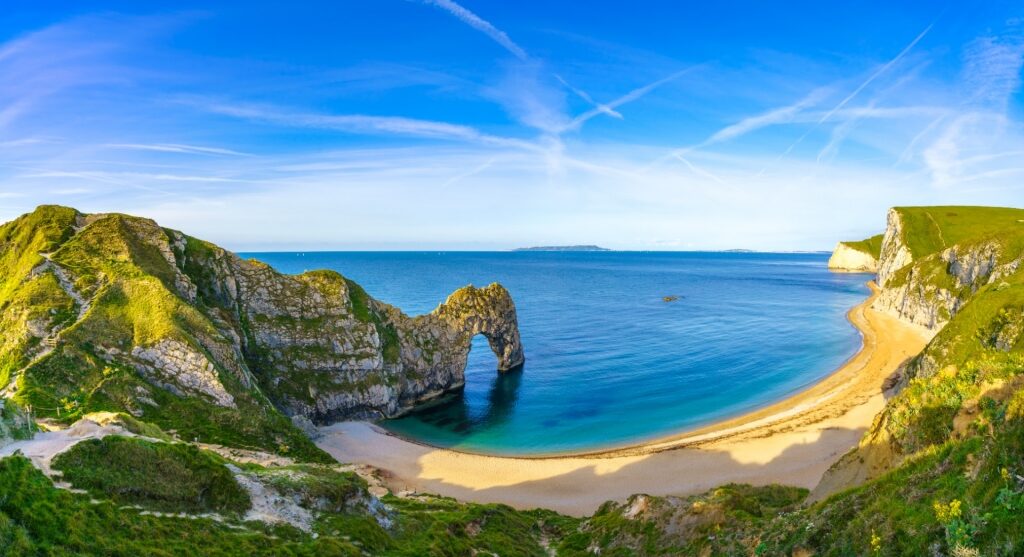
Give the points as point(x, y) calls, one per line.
point(792, 442)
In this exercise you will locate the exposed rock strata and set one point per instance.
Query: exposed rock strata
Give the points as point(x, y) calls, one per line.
point(198, 321)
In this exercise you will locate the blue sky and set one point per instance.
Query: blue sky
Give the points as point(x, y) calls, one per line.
point(395, 124)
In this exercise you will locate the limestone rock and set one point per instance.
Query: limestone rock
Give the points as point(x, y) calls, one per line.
point(195, 320)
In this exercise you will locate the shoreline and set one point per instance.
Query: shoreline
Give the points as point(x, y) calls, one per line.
point(791, 441)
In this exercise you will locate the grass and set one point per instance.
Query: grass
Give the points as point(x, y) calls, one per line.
point(14, 422)
point(318, 487)
point(871, 246)
point(38, 519)
point(955, 431)
point(928, 230)
point(169, 477)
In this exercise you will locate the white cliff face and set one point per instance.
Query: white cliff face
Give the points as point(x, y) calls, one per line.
point(846, 259)
point(895, 254)
point(930, 290)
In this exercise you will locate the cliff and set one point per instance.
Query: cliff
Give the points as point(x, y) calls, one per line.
point(113, 312)
point(856, 257)
point(956, 272)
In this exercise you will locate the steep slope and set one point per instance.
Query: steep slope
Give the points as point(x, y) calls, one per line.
point(940, 472)
point(112, 312)
point(857, 257)
point(957, 272)
point(935, 259)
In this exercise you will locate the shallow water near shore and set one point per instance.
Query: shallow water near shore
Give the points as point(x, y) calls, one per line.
point(609, 361)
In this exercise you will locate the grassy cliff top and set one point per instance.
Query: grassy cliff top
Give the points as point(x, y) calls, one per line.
point(871, 246)
point(928, 230)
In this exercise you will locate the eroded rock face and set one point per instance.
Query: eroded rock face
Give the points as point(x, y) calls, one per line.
point(929, 291)
point(195, 320)
point(322, 348)
point(174, 364)
point(846, 259)
point(895, 253)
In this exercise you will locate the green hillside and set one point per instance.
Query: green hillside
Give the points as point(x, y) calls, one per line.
point(929, 230)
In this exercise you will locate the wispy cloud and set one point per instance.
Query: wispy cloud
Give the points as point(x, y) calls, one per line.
point(472, 172)
point(176, 148)
point(502, 38)
point(699, 171)
point(992, 69)
point(365, 124)
point(781, 115)
point(863, 85)
point(874, 75)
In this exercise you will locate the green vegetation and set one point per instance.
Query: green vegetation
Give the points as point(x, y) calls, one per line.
point(15, 422)
point(361, 303)
point(317, 487)
point(38, 519)
point(120, 266)
point(871, 246)
point(171, 477)
point(949, 446)
point(719, 520)
point(928, 230)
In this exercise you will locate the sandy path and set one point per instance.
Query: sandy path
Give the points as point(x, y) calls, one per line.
point(792, 442)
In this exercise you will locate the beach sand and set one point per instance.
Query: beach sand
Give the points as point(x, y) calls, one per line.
point(791, 442)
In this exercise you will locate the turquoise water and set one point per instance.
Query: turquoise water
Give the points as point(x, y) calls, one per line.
point(608, 362)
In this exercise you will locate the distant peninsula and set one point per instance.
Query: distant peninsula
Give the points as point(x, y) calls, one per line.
point(563, 248)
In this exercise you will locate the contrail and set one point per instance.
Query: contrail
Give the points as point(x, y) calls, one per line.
point(502, 38)
point(628, 97)
point(482, 25)
point(860, 88)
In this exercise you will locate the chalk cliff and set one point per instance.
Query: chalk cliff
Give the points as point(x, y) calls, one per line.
point(955, 272)
point(850, 259)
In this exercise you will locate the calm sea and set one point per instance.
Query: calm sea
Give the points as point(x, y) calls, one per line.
point(608, 361)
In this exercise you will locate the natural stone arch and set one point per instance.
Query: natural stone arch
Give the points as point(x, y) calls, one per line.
point(487, 311)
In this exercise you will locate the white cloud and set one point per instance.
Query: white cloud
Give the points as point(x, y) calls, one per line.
point(176, 148)
point(361, 123)
point(992, 69)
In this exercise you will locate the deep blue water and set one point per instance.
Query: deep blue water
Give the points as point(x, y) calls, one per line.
point(608, 362)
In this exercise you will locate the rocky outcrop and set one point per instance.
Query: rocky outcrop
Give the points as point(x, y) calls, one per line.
point(186, 317)
point(847, 259)
point(174, 364)
point(322, 348)
point(934, 264)
point(895, 253)
point(931, 289)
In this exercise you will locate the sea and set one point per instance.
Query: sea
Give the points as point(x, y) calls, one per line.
point(609, 361)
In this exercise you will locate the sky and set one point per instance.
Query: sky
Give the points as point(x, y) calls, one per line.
point(481, 125)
